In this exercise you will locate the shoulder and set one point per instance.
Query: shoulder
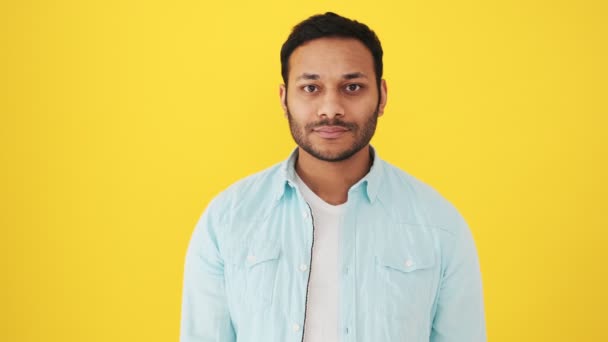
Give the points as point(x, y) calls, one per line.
point(247, 195)
point(418, 202)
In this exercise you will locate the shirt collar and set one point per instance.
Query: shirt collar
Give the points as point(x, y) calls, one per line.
point(370, 182)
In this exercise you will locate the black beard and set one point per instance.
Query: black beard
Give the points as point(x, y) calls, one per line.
point(363, 135)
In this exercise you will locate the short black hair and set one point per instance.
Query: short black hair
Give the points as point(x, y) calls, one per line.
point(331, 25)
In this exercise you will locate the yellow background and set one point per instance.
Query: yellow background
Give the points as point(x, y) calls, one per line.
point(121, 120)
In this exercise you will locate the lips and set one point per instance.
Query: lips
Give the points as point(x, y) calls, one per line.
point(330, 132)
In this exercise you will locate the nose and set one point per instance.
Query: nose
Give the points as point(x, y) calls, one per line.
point(331, 105)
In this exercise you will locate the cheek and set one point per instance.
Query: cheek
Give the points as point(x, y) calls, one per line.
point(369, 100)
point(357, 110)
point(300, 107)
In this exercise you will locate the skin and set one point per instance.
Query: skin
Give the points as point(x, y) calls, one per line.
point(332, 103)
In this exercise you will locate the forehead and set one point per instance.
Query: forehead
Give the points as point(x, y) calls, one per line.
point(331, 57)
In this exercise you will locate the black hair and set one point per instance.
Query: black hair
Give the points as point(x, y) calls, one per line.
point(331, 25)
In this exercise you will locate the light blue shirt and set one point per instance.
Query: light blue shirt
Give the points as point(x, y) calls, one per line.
point(408, 266)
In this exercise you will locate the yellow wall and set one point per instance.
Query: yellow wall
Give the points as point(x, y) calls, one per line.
point(121, 119)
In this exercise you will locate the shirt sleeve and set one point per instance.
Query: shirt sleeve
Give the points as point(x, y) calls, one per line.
point(205, 316)
point(459, 314)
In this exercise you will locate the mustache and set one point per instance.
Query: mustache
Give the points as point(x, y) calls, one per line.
point(333, 122)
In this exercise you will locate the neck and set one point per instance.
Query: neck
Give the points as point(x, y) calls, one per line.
point(331, 180)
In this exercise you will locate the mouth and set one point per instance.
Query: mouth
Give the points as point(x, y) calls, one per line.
point(330, 132)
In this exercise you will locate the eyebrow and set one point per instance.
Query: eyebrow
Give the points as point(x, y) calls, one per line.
point(353, 75)
point(349, 76)
point(306, 76)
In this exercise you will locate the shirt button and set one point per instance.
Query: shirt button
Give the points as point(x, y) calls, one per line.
point(303, 267)
point(305, 214)
point(251, 258)
point(409, 263)
point(296, 327)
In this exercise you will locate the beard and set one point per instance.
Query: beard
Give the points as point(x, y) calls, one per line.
point(363, 135)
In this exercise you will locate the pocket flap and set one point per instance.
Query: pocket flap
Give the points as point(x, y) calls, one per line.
point(408, 253)
point(405, 262)
point(260, 254)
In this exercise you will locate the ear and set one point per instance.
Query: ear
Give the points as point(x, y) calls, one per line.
point(383, 97)
point(283, 96)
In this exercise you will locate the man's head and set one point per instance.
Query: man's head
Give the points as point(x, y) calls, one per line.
point(333, 91)
point(331, 25)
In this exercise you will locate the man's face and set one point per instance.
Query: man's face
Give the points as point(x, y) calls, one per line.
point(332, 100)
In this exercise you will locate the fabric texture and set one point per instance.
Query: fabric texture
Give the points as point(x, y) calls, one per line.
point(324, 283)
point(408, 266)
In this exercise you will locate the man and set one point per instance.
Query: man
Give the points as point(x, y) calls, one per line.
point(334, 244)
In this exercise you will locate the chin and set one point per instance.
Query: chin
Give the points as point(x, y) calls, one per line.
point(332, 154)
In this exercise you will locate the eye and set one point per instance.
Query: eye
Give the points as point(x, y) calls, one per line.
point(353, 87)
point(310, 88)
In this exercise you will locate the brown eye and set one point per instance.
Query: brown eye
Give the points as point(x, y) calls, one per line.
point(310, 88)
point(353, 87)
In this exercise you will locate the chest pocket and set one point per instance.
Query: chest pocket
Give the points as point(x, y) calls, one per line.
point(259, 269)
point(407, 276)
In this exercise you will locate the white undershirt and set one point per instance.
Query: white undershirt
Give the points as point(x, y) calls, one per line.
point(323, 296)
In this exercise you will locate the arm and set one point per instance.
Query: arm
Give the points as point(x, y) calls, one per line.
point(459, 315)
point(205, 316)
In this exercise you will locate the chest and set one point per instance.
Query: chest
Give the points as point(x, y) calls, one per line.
point(384, 266)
